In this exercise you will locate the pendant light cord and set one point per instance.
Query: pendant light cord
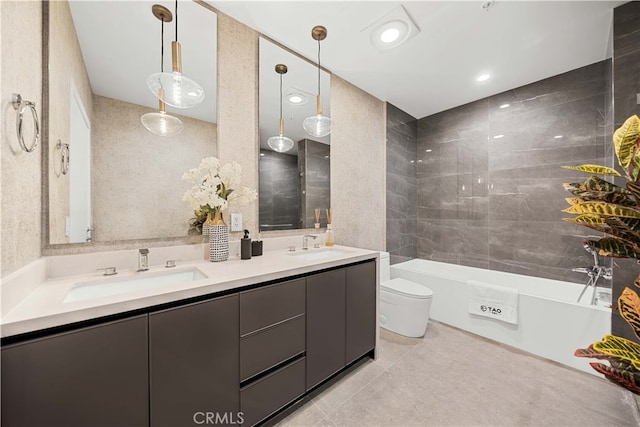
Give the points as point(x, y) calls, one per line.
point(318, 67)
point(281, 104)
point(162, 46)
point(176, 20)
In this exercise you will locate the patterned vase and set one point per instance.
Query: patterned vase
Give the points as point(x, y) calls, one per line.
point(218, 239)
point(206, 225)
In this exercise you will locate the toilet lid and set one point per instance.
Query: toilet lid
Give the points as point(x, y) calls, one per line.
point(406, 287)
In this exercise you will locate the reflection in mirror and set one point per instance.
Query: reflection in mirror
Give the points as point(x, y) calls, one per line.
point(124, 182)
point(295, 183)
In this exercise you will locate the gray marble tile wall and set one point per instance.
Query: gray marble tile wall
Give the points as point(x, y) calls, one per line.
point(279, 191)
point(489, 179)
point(401, 189)
point(626, 84)
point(314, 162)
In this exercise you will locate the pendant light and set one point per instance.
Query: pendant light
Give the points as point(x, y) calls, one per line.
point(179, 90)
point(161, 123)
point(318, 125)
point(280, 143)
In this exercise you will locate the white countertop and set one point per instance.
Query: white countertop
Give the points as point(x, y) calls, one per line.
point(44, 307)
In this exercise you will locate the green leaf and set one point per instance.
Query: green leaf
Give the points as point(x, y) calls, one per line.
point(620, 347)
point(625, 139)
point(627, 378)
point(597, 169)
point(615, 247)
point(627, 229)
point(634, 188)
point(604, 209)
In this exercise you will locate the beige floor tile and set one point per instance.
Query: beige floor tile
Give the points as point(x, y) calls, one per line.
point(303, 413)
point(454, 378)
point(332, 395)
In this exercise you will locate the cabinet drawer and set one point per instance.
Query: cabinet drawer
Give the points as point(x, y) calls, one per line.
point(268, 347)
point(266, 306)
point(269, 394)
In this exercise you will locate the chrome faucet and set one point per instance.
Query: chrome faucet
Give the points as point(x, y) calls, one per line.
point(305, 240)
point(143, 259)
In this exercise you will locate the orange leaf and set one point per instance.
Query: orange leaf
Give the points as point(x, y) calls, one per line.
point(629, 304)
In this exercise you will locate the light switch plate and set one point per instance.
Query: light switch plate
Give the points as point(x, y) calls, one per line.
point(236, 222)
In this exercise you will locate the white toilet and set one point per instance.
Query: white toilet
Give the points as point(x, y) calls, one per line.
point(404, 305)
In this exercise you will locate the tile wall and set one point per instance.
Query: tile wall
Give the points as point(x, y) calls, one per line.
point(279, 194)
point(490, 180)
point(402, 130)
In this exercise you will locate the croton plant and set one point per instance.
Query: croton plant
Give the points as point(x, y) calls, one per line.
point(615, 211)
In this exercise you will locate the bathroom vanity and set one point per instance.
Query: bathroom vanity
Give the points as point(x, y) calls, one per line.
point(234, 347)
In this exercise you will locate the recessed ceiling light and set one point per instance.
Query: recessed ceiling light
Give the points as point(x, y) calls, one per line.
point(390, 35)
point(392, 30)
point(295, 96)
point(557, 137)
point(505, 106)
point(483, 77)
point(498, 136)
point(428, 150)
point(261, 154)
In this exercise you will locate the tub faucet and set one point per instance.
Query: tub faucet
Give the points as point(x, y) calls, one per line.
point(305, 240)
point(143, 259)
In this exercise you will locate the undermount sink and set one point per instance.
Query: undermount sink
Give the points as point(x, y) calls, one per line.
point(318, 254)
point(140, 281)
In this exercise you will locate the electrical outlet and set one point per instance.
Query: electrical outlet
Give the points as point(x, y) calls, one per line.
point(236, 222)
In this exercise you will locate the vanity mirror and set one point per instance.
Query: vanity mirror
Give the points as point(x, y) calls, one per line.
point(294, 183)
point(124, 182)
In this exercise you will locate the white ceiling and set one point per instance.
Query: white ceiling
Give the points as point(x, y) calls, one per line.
point(120, 43)
point(517, 42)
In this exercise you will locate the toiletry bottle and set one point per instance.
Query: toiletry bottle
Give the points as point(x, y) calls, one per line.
point(256, 246)
point(245, 246)
point(328, 236)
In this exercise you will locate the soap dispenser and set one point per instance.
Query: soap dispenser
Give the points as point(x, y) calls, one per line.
point(245, 246)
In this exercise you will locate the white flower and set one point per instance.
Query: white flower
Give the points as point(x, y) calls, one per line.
point(215, 186)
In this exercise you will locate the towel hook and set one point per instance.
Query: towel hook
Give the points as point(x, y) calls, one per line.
point(62, 153)
point(20, 106)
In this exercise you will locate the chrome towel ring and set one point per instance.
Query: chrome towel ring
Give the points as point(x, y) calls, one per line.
point(20, 106)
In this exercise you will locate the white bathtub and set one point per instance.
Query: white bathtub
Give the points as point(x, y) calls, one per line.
point(550, 322)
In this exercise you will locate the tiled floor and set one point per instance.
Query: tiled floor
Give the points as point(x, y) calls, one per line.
point(453, 378)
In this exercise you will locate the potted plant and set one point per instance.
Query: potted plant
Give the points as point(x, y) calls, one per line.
point(615, 211)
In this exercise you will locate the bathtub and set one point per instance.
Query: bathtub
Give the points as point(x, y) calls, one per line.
point(550, 322)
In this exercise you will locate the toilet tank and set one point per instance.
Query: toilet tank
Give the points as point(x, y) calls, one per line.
point(385, 267)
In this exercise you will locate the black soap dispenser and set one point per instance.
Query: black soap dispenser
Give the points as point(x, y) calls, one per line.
point(245, 246)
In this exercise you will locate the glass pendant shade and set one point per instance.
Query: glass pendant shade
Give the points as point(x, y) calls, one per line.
point(161, 123)
point(179, 91)
point(317, 125)
point(280, 143)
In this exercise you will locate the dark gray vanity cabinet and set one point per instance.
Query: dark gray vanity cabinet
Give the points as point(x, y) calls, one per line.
point(341, 319)
point(272, 348)
point(325, 325)
point(194, 362)
point(95, 376)
point(360, 310)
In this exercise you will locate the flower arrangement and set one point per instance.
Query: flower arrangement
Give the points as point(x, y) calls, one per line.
point(215, 186)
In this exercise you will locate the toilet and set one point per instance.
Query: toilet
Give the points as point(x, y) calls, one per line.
point(404, 305)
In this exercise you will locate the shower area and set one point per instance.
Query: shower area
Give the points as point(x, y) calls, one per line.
point(480, 185)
